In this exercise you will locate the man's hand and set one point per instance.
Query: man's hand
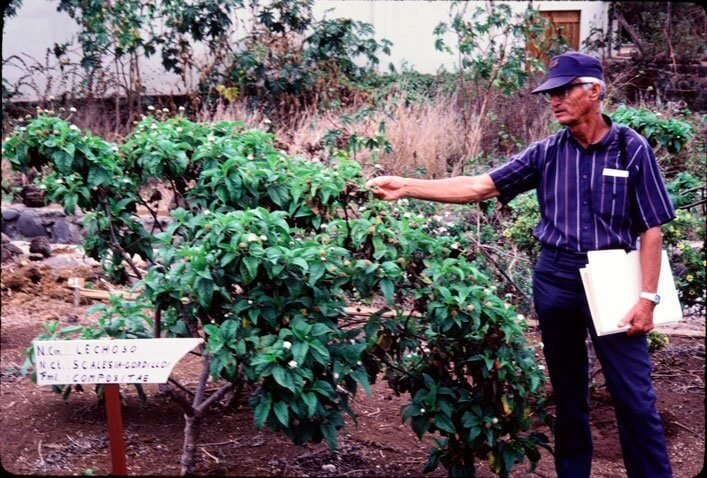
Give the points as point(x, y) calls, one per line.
point(640, 317)
point(388, 188)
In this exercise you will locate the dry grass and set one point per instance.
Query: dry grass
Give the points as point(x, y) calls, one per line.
point(427, 138)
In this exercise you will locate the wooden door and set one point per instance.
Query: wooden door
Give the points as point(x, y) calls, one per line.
point(565, 26)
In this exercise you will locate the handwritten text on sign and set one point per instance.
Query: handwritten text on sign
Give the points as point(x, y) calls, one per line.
point(61, 362)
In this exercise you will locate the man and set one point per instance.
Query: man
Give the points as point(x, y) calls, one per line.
point(599, 187)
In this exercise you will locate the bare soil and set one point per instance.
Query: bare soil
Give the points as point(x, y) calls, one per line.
point(44, 435)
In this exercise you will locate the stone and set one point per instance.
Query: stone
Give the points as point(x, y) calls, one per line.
point(65, 232)
point(5, 238)
point(10, 251)
point(36, 257)
point(32, 196)
point(29, 224)
point(10, 214)
point(41, 245)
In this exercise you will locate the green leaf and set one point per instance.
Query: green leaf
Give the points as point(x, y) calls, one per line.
point(205, 290)
point(251, 264)
point(443, 422)
point(316, 271)
point(218, 362)
point(361, 376)
point(282, 413)
point(299, 351)
point(310, 399)
point(261, 413)
point(387, 288)
point(228, 330)
point(329, 432)
point(283, 378)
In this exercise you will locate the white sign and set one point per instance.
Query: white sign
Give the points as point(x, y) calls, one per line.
point(60, 362)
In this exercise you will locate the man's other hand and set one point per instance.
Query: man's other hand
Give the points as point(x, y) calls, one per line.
point(640, 317)
point(388, 188)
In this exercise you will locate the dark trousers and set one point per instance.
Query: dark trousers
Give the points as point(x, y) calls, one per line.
point(564, 321)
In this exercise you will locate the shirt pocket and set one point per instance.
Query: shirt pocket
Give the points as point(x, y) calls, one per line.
point(610, 199)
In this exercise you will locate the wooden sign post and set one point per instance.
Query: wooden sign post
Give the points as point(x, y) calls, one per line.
point(109, 362)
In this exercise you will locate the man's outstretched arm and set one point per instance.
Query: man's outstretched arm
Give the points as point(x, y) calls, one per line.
point(460, 189)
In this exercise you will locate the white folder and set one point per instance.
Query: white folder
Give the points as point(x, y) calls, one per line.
point(612, 282)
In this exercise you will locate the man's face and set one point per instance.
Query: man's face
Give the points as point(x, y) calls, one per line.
point(572, 102)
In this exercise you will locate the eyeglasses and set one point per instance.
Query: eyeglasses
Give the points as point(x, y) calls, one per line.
point(561, 93)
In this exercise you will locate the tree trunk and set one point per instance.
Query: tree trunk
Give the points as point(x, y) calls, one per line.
point(631, 32)
point(192, 428)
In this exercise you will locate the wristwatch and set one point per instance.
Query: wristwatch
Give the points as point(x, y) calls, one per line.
point(655, 298)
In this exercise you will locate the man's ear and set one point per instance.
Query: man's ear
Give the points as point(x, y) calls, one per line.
point(595, 91)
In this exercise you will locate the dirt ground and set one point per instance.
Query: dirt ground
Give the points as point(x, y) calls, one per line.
point(43, 435)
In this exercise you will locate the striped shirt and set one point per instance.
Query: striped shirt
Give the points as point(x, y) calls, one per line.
point(599, 197)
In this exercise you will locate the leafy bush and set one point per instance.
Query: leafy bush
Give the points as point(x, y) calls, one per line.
point(262, 258)
point(671, 134)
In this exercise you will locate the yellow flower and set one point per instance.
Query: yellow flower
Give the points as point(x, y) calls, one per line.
point(689, 277)
point(681, 246)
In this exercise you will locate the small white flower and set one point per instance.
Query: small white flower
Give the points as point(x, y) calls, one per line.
point(541, 345)
point(22, 128)
point(250, 157)
point(359, 363)
point(292, 364)
point(422, 410)
point(206, 212)
point(210, 137)
point(353, 342)
point(520, 318)
point(178, 130)
point(336, 376)
point(151, 108)
point(74, 127)
point(378, 166)
point(52, 98)
point(541, 367)
point(267, 121)
point(154, 126)
point(252, 237)
point(426, 350)
point(263, 237)
point(407, 215)
point(250, 302)
point(72, 109)
point(165, 110)
point(494, 421)
point(362, 208)
point(60, 181)
point(181, 108)
point(42, 186)
point(455, 246)
point(286, 345)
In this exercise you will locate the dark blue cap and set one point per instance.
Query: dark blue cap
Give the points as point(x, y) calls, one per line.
point(568, 66)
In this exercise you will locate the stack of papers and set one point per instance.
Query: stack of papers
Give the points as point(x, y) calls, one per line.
point(612, 282)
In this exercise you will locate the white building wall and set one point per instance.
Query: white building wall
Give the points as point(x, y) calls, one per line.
point(408, 24)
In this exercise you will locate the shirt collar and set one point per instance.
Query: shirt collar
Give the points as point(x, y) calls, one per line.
point(605, 141)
